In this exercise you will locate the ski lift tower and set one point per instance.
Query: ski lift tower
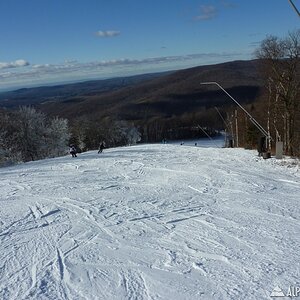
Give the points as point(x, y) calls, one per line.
point(251, 118)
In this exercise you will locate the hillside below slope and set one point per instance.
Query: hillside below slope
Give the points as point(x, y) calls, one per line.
point(142, 97)
point(177, 93)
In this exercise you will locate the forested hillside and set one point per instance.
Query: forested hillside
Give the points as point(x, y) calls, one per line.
point(170, 106)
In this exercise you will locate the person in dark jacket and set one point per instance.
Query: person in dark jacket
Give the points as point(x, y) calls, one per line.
point(101, 147)
point(73, 151)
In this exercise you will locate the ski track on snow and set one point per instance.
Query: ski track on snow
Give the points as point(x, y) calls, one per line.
point(149, 222)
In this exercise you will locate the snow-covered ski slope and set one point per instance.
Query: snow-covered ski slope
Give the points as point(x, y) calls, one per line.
point(149, 222)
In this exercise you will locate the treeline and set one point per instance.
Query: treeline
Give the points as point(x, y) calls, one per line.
point(185, 126)
point(277, 109)
point(88, 133)
point(26, 135)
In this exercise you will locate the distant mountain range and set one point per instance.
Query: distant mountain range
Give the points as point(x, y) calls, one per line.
point(145, 96)
point(62, 92)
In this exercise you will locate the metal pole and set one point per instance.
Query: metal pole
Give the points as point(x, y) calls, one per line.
point(294, 7)
point(258, 126)
point(208, 135)
point(236, 129)
point(226, 125)
point(220, 115)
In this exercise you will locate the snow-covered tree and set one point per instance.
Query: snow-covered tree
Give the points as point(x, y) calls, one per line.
point(9, 152)
point(133, 135)
point(31, 134)
point(27, 134)
point(125, 133)
point(57, 137)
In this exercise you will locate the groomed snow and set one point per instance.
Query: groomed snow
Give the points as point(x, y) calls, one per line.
point(149, 222)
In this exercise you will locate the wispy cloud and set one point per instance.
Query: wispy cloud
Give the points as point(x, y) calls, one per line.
point(107, 33)
point(73, 71)
point(14, 64)
point(228, 4)
point(207, 12)
point(255, 44)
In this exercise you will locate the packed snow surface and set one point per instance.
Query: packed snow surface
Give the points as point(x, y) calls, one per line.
point(149, 222)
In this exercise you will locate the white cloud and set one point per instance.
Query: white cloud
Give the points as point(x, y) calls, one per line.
point(207, 12)
point(73, 70)
point(107, 33)
point(14, 64)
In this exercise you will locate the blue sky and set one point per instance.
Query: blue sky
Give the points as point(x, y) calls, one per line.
point(50, 41)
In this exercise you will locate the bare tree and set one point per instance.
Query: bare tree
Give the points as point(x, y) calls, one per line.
point(281, 61)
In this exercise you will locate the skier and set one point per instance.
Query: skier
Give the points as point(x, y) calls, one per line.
point(101, 147)
point(73, 151)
